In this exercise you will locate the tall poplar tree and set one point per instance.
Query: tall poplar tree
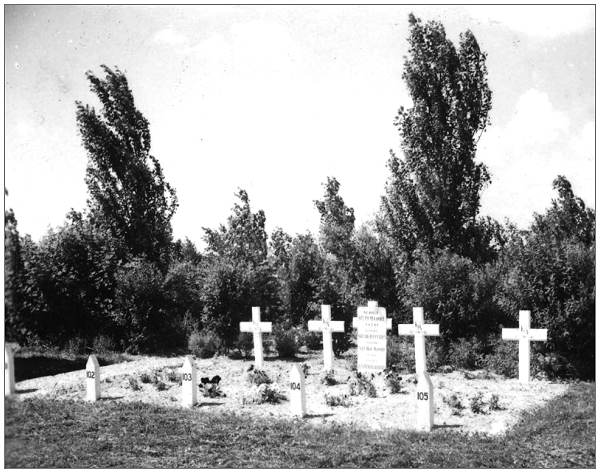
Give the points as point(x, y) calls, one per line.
point(433, 195)
point(128, 193)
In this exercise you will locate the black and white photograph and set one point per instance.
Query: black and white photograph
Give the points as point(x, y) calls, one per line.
point(299, 236)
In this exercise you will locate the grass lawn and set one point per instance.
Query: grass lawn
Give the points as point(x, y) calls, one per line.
point(55, 434)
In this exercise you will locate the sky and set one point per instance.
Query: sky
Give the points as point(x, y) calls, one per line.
point(274, 99)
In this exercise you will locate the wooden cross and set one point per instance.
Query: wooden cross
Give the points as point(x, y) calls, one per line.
point(326, 325)
point(373, 305)
point(524, 334)
point(256, 327)
point(419, 329)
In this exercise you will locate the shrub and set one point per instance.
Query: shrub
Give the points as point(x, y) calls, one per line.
point(172, 376)
point(263, 394)
point(393, 381)
point(160, 386)
point(146, 377)
point(76, 346)
point(455, 403)
point(328, 378)
point(334, 400)
point(494, 402)
point(466, 353)
point(400, 354)
point(285, 342)
point(305, 369)
point(245, 344)
point(351, 362)
point(204, 344)
point(257, 377)
point(312, 340)
point(504, 359)
point(477, 403)
point(133, 383)
point(359, 384)
point(455, 293)
point(103, 344)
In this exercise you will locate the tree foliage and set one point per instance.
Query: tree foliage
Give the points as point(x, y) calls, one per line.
point(433, 195)
point(128, 193)
point(337, 222)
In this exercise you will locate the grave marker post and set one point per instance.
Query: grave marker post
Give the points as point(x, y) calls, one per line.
point(327, 326)
point(9, 371)
point(92, 377)
point(297, 392)
point(256, 327)
point(525, 334)
point(424, 402)
point(189, 388)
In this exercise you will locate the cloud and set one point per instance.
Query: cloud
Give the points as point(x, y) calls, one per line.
point(170, 36)
point(525, 155)
point(543, 21)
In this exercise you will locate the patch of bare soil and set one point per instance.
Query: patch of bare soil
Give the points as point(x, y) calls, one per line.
point(387, 410)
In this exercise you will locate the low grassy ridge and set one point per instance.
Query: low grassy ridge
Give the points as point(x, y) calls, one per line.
point(55, 434)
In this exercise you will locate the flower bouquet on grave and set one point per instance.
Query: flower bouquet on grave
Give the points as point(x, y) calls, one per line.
point(210, 387)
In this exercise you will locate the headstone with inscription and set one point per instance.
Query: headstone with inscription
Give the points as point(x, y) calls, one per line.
point(327, 326)
point(524, 334)
point(92, 378)
point(297, 392)
point(189, 389)
point(9, 371)
point(257, 328)
point(371, 338)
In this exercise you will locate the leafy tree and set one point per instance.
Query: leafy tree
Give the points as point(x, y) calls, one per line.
point(237, 273)
point(433, 195)
point(69, 281)
point(13, 279)
point(337, 222)
point(550, 270)
point(128, 193)
point(568, 218)
point(372, 270)
point(244, 239)
point(142, 313)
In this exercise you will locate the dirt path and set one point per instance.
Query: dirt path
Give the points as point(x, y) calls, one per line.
point(385, 411)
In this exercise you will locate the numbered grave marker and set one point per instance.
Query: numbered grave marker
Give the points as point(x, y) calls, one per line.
point(372, 325)
point(9, 371)
point(424, 400)
point(257, 328)
point(189, 389)
point(524, 334)
point(419, 329)
point(327, 326)
point(92, 378)
point(297, 392)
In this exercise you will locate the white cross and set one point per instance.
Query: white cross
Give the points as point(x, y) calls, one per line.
point(382, 311)
point(419, 329)
point(326, 325)
point(9, 371)
point(256, 327)
point(524, 334)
